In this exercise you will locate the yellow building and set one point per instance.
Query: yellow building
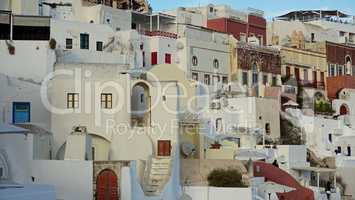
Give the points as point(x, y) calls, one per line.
point(307, 66)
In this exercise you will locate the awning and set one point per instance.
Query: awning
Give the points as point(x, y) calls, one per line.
point(21, 20)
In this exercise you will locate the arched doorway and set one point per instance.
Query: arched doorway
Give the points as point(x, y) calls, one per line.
point(140, 105)
point(344, 110)
point(107, 185)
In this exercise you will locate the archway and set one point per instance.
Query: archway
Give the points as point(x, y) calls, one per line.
point(4, 168)
point(348, 65)
point(107, 185)
point(140, 104)
point(344, 109)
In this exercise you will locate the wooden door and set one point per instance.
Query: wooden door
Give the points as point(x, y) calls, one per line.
point(297, 73)
point(107, 186)
point(164, 148)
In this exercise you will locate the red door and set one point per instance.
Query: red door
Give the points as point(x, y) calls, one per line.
point(164, 147)
point(154, 58)
point(107, 186)
point(344, 110)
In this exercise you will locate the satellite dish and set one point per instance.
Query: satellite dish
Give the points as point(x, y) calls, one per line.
point(188, 149)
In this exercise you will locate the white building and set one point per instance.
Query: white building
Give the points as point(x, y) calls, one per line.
point(313, 25)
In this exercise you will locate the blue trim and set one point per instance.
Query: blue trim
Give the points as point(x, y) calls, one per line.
point(14, 110)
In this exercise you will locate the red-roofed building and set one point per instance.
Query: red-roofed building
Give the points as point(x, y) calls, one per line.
point(279, 176)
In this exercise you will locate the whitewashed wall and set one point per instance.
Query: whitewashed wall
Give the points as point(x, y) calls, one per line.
point(32, 59)
point(214, 193)
point(72, 179)
point(20, 90)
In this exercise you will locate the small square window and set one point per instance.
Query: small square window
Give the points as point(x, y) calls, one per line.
point(225, 80)
point(69, 43)
point(106, 100)
point(99, 46)
point(73, 100)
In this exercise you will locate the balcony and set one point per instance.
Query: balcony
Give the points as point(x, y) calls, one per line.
point(160, 34)
point(311, 84)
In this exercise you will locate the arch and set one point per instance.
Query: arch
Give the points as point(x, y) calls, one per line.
point(348, 65)
point(194, 61)
point(107, 185)
point(141, 104)
point(4, 166)
point(344, 109)
point(216, 63)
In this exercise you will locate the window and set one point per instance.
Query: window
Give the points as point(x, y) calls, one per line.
point(274, 81)
point(267, 129)
point(349, 151)
point(255, 73)
point(243, 37)
point(215, 63)
point(219, 126)
point(207, 79)
point(143, 56)
point(339, 149)
point(288, 72)
point(225, 80)
point(21, 112)
point(305, 74)
point(245, 78)
point(106, 100)
point(99, 46)
point(84, 41)
point(332, 70)
point(313, 37)
point(93, 153)
point(168, 58)
point(69, 43)
point(194, 61)
point(330, 137)
point(265, 79)
point(195, 76)
point(340, 70)
point(216, 79)
point(297, 74)
point(142, 98)
point(134, 26)
point(154, 58)
point(73, 100)
point(322, 77)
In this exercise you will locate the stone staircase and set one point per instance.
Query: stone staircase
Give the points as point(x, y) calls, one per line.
point(156, 175)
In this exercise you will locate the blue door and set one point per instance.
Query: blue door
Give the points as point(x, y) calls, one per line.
point(21, 112)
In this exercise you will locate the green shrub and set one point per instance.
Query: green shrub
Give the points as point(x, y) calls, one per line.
point(225, 178)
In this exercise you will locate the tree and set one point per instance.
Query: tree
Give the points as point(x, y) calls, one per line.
point(225, 178)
